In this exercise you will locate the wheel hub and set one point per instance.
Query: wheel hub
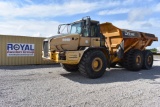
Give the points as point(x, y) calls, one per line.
point(138, 60)
point(149, 60)
point(97, 64)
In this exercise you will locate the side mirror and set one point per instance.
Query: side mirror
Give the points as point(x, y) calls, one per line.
point(59, 29)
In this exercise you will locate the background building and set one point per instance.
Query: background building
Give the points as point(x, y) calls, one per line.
point(21, 50)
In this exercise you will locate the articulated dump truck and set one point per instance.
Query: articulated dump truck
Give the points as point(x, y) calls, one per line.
point(90, 47)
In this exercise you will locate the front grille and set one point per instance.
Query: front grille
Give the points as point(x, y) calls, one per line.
point(45, 48)
point(62, 56)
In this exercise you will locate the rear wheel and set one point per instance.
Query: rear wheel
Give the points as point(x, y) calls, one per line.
point(148, 59)
point(133, 60)
point(70, 67)
point(93, 64)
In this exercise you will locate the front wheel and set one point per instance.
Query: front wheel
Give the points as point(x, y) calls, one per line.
point(93, 64)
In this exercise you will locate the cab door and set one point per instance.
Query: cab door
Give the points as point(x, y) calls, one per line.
point(90, 36)
point(95, 38)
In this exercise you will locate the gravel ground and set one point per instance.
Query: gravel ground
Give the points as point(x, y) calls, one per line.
point(50, 85)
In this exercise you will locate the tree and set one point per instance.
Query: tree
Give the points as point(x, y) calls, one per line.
point(153, 50)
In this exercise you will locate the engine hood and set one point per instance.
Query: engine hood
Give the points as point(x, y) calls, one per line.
point(64, 42)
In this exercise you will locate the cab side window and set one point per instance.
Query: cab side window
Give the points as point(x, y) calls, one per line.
point(94, 30)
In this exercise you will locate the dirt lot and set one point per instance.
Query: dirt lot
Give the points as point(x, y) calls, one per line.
point(50, 85)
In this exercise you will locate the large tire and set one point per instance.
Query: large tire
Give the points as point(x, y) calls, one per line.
point(148, 59)
point(133, 60)
point(69, 67)
point(93, 64)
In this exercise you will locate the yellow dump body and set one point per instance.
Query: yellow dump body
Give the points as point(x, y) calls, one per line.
point(117, 38)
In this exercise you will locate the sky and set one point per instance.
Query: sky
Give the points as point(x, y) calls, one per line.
point(41, 18)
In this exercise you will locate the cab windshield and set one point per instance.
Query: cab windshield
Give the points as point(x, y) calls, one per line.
point(70, 28)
